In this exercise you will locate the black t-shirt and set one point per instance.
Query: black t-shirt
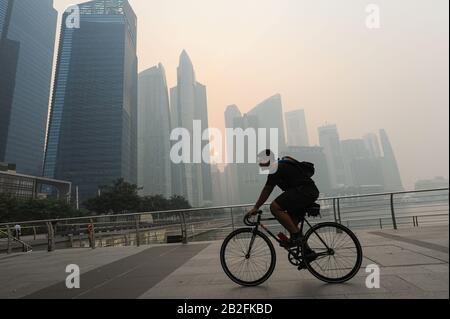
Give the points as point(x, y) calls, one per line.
point(288, 176)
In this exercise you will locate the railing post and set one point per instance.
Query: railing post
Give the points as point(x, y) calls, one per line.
point(34, 232)
point(50, 237)
point(8, 230)
point(71, 240)
point(92, 234)
point(381, 223)
point(394, 221)
point(339, 210)
point(100, 235)
point(334, 210)
point(232, 218)
point(138, 239)
point(184, 228)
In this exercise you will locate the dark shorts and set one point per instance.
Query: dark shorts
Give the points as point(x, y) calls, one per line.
point(296, 200)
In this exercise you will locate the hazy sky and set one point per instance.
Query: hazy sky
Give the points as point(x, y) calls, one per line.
point(320, 56)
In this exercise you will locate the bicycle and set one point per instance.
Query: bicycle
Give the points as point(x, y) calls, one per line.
point(334, 252)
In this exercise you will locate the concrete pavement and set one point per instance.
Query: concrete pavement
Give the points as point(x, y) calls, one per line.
point(414, 264)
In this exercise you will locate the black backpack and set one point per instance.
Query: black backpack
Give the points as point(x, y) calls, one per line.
point(306, 167)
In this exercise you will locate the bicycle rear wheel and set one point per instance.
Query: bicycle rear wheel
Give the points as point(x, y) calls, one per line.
point(337, 255)
point(245, 266)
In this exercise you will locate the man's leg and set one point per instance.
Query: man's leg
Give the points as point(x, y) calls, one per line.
point(284, 218)
point(296, 220)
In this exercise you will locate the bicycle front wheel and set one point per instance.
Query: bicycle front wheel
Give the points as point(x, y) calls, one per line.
point(248, 257)
point(336, 253)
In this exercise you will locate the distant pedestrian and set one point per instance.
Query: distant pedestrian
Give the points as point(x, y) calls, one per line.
point(18, 230)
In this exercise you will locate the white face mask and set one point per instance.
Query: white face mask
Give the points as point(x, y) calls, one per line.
point(267, 159)
point(269, 170)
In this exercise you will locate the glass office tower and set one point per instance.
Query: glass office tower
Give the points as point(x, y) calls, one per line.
point(92, 137)
point(154, 164)
point(27, 39)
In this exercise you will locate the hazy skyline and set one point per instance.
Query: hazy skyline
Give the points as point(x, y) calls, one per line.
point(320, 56)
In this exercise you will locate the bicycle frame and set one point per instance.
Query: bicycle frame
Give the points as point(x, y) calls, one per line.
point(309, 253)
point(259, 224)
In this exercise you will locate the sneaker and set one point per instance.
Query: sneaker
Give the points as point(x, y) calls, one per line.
point(309, 255)
point(292, 243)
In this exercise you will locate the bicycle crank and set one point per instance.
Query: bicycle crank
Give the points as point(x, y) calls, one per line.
point(294, 258)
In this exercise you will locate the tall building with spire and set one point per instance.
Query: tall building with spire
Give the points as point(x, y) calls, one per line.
point(392, 177)
point(154, 166)
point(92, 136)
point(27, 39)
point(188, 102)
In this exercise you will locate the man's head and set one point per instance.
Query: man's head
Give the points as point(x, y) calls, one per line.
point(266, 158)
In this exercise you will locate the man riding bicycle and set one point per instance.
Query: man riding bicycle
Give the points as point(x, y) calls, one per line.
point(299, 192)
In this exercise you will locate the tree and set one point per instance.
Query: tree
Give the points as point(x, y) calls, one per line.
point(118, 198)
point(122, 197)
point(160, 203)
point(13, 209)
point(154, 203)
point(179, 202)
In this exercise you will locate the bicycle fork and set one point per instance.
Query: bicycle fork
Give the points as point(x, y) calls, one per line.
point(252, 242)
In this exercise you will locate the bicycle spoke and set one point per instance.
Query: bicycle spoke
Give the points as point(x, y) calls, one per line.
point(245, 264)
point(340, 260)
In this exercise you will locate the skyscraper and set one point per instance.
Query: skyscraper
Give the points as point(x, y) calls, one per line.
point(266, 115)
point(331, 144)
point(362, 169)
point(4, 8)
point(232, 114)
point(27, 39)
point(92, 138)
point(373, 145)
point(392, 176)
point(220, 197)
point(297, 132)
point(154, 166)
point(250, 181)
point(269, 114)
point(188, 104)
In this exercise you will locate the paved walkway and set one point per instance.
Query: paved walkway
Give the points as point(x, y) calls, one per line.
point(414, 264)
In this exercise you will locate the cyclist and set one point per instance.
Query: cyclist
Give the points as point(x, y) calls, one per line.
point(299, 193)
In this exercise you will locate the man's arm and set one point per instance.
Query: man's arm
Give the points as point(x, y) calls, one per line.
point(265, 194)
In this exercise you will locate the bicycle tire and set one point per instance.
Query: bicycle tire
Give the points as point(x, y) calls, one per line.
point(231, 274)
point(312, 266)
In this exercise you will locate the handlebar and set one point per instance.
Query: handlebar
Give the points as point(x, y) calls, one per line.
point(247, 221)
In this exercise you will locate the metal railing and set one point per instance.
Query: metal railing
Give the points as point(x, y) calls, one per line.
point(383, 210)
point(25, 247)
